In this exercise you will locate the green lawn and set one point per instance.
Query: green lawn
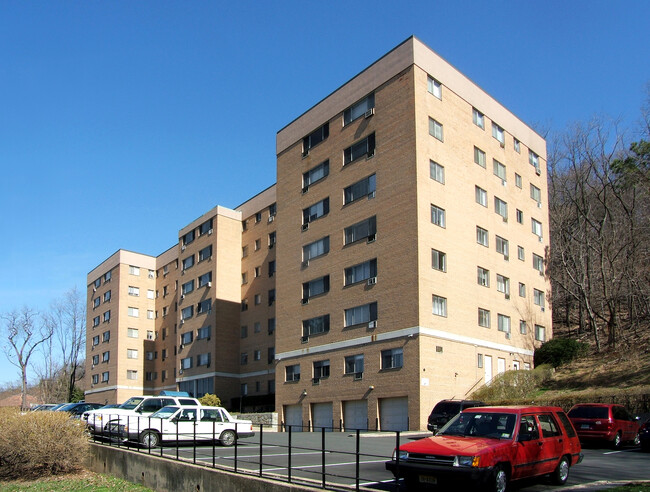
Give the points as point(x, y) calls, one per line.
point(85, 482)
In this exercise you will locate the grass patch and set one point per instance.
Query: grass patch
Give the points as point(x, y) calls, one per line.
point(85, 481)
point(644, 487)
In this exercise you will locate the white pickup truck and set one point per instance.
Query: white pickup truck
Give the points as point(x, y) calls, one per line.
point(97, 420)
point(182, 424)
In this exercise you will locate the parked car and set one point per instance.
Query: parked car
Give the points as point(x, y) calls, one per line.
point(76, 410)
point(179, 424)
point(42, 407)
point(490, 446)
point(644, 436)
point(444, 410)
point(604, 422)
point(135, 406)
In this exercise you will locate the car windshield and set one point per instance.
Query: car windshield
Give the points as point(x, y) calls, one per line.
point(131, 403)
point(164, 413)
point(589, 413)
point(485, 424)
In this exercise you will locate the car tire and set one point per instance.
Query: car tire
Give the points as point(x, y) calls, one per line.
point(499, 479)
point(617, 441)
point(149, 439)
point(637, 440)
point(227, 438)
point(561, 473)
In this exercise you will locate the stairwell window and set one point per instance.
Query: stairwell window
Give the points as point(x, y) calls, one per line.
point(478, 118)
point(438, 216)
point(435, 129)
point(437, 172)
point(365, 147)
point(439, 306)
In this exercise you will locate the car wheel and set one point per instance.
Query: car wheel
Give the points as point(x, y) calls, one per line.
point(149, 439)
point(499, 481)
point(637, 439)
point(618, 440)
point(227, 438)
point(561, 473)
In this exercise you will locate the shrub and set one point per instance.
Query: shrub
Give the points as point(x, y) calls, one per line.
point(210, 400)
point(558, 351)
point(41, 443)
point(513, 386)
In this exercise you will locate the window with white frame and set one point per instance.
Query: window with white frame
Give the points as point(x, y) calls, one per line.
point(149, 313)
point(438, 216)
point(361, 230)
point(516, 145)
point(483, 276)
point(535, 193)
point(205, 306)
point(134, 270)
point(538, 297)
point(479, 361)
point(358, 109)
point(95, 321)
point(482, 236)
point(435, 129)
point(439, 306)
point(478, 118)
point(107, 316)
point(315, 174)
point(434, 87)
point(354, 364)
point(499, 170)
point(292, 373)
point(502, 246)
point(484, 317)
point(205, 279)
point(205, 253)
point(438, 260)
point(188, 262)
point(106, 356)
point(186, 337)
point(521, 253)
point(151, 273)
point(437, 172)
point(361, 314)
point(131, 353)
point(540, 333)
point(538, 263)
point(316, 326)
point(522, 289)
point(316, 249)
point(503, 284)
point(479, 157)
point(480, 195)
point(520, 216)
point(150, 335)
point(536, 227)
point(134, 291)
point(187, 312)
point(522, 327)
point(501, 208)
point(533, 159)
point(314, 138)
point(392, 358)
point(96, 302)
point(132, 332)
point(257, 355)
point(503, 323)
point(518, 180)
point(95, 378)
point(316, 211)
point(365, 147)
point(134, 312)
point(498, 133)
point(361, 189)
point(361, 272)
point(187, 287)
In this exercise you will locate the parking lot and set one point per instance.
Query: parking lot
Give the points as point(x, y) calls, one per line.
point(337, 459)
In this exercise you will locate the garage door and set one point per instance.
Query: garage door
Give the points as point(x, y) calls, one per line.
point(355, 415)
point(394, 414)
point(293, 417)
point(322, 416)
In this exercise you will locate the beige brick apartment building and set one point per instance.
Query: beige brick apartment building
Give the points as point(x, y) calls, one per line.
point(398, 260)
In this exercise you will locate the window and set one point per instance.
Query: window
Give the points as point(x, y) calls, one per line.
point(359, 109)
point(272, 239)
point(437, 216)
point(257, 355)
point(503, 284)
point(203, 333)
point(271, 296)
point(517, 180)
point(503, 323)
point(96, 302)
point(165, 270)
point(270, 355)
point(292, 373)
point(361, 189)
point(187, 313)
point(501, 208)
point(205, 228)
point(132, 332)
point(502, 246)
point(107, 296)
point(481, 196)
point(258, 217)
point(479, 361)
point(499, 170)
point(315, 287)
point(535, 193)
point(105, 376)
point(107, 277)
point(186, 337)
point(538, 298)
point(150, 335)
point(205, 279)
point(186, 363)
point(134, 291)
point(521, 254)
point(483, 276)
point(354, 364)
point(271, 326)
point(361, 230)
point(316, 211)
point(538, 263)
point(150, 294)
point(520, 216)
point(133, 312)
point(188, 238)
point(536, 227)
point(257, 272)
point(132, 354)
point(257, 327)
point(107, 316)
point(95, 340)
point(95, 321)
point(150, 376)
point(106, 356)
point(205, 253)
point(522, 290)
point(321, 369)
point(438, 260)
point(361, 314)
point(533, 159)
point(498, 133)
point(483, 318)
point(187, 287)
point(540, 333)
point(482, 236)
point(188, 262)
point(439, 306)
point(437, 172)
point(244, 304)
point(244, 251)
point(517, 145)
point(243, 332)
point(479, 157)
point(257, 299)
point(95, 378)
point(434, 87)
point(522, 327)
point(435, 129)
point(134, 270)
point(271, 268)
point(392, 358)
point(203, 360)
point(361, 272)
point(365, 147)
point(258, 244)
point(273, 210)
point(314, 138)
point(478, 118)
point(315, 326)
point(204, 306)
point(316, 249)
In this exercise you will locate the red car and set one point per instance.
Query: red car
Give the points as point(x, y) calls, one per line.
point(491, 446)
point(604, 422)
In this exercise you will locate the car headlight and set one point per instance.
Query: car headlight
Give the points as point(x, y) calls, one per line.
point(466, 461)
point(403, 455)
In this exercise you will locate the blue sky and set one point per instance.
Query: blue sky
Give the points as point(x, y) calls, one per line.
point(122, 121)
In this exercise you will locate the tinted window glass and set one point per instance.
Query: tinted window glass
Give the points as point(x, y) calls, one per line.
point(570, 431)
point(587, 412)
point(548, 425)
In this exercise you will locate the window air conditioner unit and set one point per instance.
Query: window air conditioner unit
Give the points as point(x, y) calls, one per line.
point(305, 300)
point(506, 257)
point(372, 324)
point(271, 245)
point(305, 264)
point(503, 145)
point(94, 289)
point(182, 321)
point(507, 335)
point(540, 239)
point(180, 371)
point(372, 280)
point(304, 339)
point(371, 195)
point(305, 189)
point(315, 380)
point(369, 113)
point(503, 182)
point(271, 218)
point(209, 284)
point(358, 376)
point(539, 204)
point(372, 237)
point(538, 171)
point(543, 309)
point(183, 247)
point(182, 296)
point(305, 226)
point(93, 366)
point(210, 231)
point(181, 346)
point(507, 296)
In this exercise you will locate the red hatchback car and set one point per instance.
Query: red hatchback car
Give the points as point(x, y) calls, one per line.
point(491, 446)
point(604, 422)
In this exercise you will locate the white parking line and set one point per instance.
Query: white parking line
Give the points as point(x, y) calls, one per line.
point(327, 465)
point(257, 455)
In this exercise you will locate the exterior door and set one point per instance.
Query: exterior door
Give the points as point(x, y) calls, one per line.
point(552, 442)
point(355, 415)
point(186, 425)
point(529, 451)
point(488, 369)
point(394, 414)
point(322, 416)
point(293, 417)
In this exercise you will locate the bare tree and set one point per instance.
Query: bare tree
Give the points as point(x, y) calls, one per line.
point(23, 337)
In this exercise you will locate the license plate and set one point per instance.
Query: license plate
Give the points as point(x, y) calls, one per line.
point(428, 479)
point(585, 426)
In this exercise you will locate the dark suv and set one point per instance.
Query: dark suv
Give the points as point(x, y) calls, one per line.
point(446, 409)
